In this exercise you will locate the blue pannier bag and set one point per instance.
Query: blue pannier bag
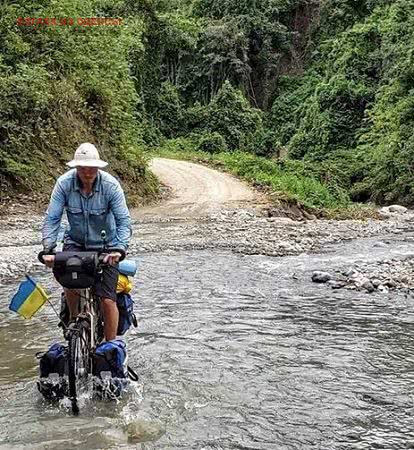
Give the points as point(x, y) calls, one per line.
point(126, 313)
point(110, 357)
point(53, 361)
point(53, 368)
point(109, 368)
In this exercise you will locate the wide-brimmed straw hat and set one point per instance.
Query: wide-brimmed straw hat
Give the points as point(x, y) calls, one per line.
point(87, 155)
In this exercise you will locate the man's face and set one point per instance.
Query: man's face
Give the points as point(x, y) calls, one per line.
point(87, 174)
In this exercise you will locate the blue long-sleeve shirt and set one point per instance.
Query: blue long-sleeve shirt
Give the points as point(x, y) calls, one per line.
point(104, 208)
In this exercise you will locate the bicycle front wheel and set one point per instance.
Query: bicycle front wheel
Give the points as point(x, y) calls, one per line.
point(78, 362)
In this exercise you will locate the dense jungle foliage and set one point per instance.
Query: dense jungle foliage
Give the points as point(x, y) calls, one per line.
point(323, 88)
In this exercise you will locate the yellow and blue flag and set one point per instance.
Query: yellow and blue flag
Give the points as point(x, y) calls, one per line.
point(29, 298)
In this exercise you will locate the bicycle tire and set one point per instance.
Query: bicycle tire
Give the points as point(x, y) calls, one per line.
point(78, 361)
point(72, 371)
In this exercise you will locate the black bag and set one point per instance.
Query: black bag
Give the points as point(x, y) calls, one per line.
point(53, 361)
point(76, 270)
point(126, 313)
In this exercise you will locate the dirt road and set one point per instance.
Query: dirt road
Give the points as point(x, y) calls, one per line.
point(195, 190)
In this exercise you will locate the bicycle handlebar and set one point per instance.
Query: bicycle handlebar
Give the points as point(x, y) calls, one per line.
point(101, 254)
point(44, 253)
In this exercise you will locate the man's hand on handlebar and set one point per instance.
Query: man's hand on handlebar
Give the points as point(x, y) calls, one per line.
point(112, 258)
point(49, 260)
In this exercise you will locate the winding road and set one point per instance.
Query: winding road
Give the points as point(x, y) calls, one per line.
point(195, 190)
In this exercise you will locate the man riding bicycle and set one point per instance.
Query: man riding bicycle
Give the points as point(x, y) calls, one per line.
point(94, 202)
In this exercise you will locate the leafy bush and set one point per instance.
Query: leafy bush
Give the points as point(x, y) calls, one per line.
point(230, 115)
point(168, 111)
point(180, 144)
point(331, 117)
point(300, 186)
point(387, 146)
point(265, 143)
point(196, 117)
point(212, 143)
point(352, 111)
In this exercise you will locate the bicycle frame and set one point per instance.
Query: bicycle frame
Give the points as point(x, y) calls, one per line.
point(89, 307)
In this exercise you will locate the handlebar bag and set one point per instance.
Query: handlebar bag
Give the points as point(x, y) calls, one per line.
point(76, 270)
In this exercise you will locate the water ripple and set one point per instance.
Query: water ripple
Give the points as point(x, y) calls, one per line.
point(233, 353)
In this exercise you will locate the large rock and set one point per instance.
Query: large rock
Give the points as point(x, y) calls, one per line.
point(362, 281)
point(390, 283)
point(380, 244)
point(385, 211)
point(320, 277)
point(383, 289)
point(335, 284)
point(376, 282)
point(368, 286)
point(352, 273)
point(397, 209)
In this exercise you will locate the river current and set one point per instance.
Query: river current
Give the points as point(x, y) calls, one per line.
point(233, 352)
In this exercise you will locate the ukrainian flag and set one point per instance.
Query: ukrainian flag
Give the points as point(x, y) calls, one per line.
point(29, 298)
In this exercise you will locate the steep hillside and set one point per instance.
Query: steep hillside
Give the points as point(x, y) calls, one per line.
point(62, 85)
point(322, 87)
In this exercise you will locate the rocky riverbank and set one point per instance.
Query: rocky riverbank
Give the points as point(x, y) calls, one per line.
point(247, 231)
point(383, 276)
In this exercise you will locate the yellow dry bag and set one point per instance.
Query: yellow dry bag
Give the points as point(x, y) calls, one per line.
point(124, 284)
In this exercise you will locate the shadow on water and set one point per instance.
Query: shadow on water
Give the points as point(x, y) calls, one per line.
point(234, 353)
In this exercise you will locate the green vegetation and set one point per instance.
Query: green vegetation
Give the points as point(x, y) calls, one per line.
point(310, 98)
point(352, 108)
point(60, 86)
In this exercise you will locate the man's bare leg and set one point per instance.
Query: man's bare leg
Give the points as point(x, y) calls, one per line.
point(72, 299)
point(111, 318)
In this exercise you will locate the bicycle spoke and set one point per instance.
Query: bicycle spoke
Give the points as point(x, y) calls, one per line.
point(79, 363)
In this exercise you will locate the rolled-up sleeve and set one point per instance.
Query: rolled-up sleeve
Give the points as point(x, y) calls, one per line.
point(120, 211)
point(51, 224)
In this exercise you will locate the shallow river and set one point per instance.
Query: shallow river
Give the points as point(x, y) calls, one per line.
point(233, 352)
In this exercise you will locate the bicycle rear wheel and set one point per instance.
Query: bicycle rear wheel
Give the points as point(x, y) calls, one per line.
point(79, 361)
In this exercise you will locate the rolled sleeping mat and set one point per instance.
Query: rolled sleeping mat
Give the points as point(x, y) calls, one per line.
point(128, 267)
